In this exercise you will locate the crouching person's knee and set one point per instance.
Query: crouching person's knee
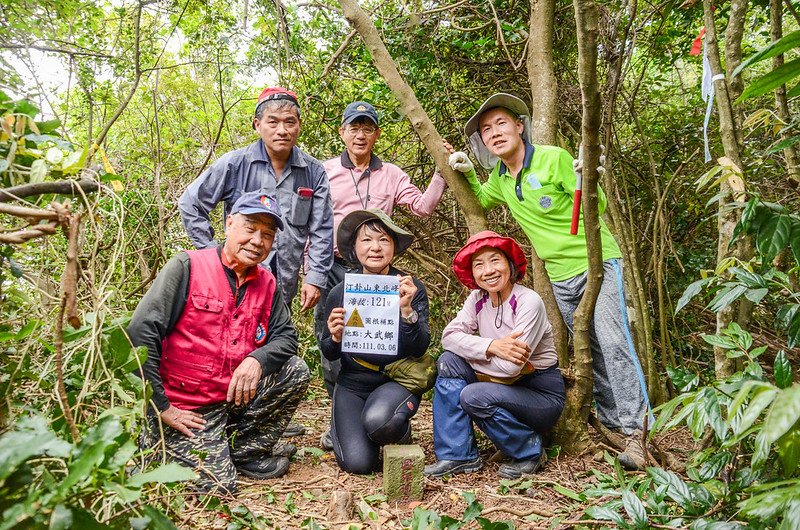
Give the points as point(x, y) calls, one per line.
point(296, 374)
point(451, 366)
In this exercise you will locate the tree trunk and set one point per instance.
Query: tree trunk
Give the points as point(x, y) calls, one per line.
point(411, 107)
point(731, 189)
point(544, 113)
point(781, 104)
point(733, 58)
point(544, 126)
point(572, 429)
point(617, 220)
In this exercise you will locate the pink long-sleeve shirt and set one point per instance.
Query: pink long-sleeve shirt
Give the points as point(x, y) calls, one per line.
point(469, 334)
point(383, 186)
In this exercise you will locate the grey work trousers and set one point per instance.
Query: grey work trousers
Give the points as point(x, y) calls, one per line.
point(619, 385)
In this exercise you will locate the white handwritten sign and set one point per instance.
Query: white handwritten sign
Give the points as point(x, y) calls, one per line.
point(372, 314)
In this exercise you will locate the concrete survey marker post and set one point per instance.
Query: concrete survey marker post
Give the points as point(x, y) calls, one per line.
point(402, 473)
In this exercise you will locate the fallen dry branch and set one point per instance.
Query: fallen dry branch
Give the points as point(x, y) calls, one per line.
point(518, 513)
point(19, 237)
point(68, 297)
point(59, 187)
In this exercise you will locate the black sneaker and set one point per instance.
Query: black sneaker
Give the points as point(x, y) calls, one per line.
point(293, 429)
point(452, 467)
point(267, 468)
point(518, 468)
point(284, 449)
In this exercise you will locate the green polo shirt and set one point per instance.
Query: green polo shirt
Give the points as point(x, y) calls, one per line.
point(547, 188)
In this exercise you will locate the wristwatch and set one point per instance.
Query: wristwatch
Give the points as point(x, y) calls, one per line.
point(410, 319)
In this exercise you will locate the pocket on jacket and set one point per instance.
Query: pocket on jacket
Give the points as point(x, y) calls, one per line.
point(544, 199)
point(301, 210)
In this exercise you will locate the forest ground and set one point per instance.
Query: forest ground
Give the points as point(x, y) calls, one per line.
point(548, 500)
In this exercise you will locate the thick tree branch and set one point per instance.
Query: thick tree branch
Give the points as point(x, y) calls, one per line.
point(411, 107)
point(59, 187)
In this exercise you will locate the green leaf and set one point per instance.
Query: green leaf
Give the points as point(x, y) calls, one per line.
point(783, 370)
point(784, 413)
point(726, 343)
point(604, 513)
point(791, 517)
point(773, 237)
point(683, 378)
point(714, 417)
point(788, 447)
point(693, 290)
point(474, 508)
point(782, 45)
point(31, 437)
point(569, 493)
point(783, 144)
point(761, 400)
point(61, 518)
point(38, 171)
point(91, 452)
point(164, 474)
point(725, 297)
point(634, 507)
point(794, 240)
point(714, 465)
point(772, 80)
point(486, 524)
point(158, 520)
point(64, 517)
point(27, 108)
point(676, 487)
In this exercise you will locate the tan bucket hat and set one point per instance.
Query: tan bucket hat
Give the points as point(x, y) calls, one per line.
point(507, 101)
point(352, 221)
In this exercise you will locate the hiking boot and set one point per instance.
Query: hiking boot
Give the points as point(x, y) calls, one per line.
point(633, 457)
point(326, 441)
point(266, 468)
point(452, 467)
point(293, 429)
point(284, 449)
point(518, 468)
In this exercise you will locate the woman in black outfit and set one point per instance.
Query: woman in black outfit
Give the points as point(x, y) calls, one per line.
point(369, 409)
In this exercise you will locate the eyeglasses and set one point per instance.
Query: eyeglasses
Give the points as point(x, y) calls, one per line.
point(366, 129)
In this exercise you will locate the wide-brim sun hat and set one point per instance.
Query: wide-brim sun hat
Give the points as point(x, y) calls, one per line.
point(345, 235)
point(513, 104)
point(462, 262)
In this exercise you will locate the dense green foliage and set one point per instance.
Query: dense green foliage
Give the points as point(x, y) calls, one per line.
point(166, 87)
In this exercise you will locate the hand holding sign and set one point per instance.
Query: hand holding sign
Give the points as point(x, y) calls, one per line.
point(336, 324)
point(407, 292)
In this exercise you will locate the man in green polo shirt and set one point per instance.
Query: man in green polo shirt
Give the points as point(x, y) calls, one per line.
point(537, 183)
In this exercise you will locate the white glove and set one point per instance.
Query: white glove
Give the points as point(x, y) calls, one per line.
point(577, 164)
point(461, 162)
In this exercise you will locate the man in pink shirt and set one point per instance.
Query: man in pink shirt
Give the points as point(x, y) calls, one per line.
point(359, 180)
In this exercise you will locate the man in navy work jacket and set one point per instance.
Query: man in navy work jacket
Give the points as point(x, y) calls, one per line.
point(275, 166)
point(222, 354)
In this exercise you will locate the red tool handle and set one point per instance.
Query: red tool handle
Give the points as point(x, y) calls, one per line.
point(576, 213)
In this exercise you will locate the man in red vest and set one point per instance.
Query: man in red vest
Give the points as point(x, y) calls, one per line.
point(222, 357)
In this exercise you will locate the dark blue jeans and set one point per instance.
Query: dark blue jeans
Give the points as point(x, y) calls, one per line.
point(512, 416)
point(364, 420)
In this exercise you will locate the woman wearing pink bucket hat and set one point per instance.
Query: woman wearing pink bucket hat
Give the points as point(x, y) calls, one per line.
point(499, 368)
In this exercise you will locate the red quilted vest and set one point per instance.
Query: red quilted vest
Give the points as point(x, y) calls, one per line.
point(213, 335)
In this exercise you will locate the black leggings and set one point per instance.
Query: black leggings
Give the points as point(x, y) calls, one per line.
point(363, 421)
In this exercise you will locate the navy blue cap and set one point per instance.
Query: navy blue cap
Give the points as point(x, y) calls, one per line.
point(255, 202)
point(359, 109)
